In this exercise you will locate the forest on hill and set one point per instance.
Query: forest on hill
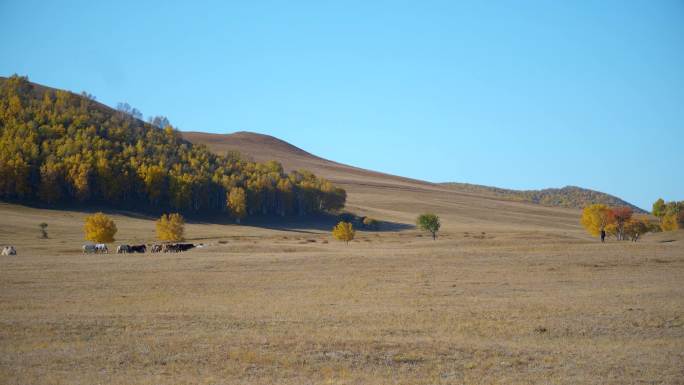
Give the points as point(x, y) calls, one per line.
point(59, 147)
point(568, 196)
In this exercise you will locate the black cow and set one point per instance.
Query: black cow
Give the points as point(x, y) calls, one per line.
point(184, 246)
point(169, 248)
point(137, 248)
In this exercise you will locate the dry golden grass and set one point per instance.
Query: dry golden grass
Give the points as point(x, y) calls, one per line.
point(531, 300)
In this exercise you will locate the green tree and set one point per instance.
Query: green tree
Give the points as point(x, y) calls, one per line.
point(659, 208)
point(430, 223)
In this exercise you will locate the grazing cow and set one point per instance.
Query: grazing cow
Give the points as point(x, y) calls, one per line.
point(89, 249)
point(184, 246)
point(101, 248)
point(9, 250)
point(137, 249)
point(156, 248)
point(123, 249)
point(169, 248)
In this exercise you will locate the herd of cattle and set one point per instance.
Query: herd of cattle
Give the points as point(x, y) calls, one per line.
point(101, 248)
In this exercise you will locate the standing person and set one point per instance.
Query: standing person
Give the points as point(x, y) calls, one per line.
point(603, 235)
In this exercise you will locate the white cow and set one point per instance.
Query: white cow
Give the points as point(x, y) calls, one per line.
point(9, 250)
point(123, 249)
point(99, 248)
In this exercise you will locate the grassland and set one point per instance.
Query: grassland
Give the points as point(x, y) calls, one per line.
point(485, 303)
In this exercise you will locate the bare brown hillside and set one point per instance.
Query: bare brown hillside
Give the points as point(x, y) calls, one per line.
point(262, 148)
point(395, 198)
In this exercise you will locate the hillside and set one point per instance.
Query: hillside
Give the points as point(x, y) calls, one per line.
point(57, 147)
point(263, 148)
point(568, 196)
point(397, 198)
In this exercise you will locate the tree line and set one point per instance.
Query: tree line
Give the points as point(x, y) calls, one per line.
point(621, 223)
point(670, 214)
point(59, 147)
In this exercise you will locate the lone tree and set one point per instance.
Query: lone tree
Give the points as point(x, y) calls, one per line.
point(344, 231)
point(99, 228)
point(237, 203)
point(595, 218)
point(430, 223)
point(170, 227)
point(43, 230)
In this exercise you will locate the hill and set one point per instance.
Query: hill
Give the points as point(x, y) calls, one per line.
point(263, 148)
point(388, 196)
point(568, 196)
point(57, 147)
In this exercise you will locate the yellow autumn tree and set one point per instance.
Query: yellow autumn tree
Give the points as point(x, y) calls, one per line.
point(171, 227)
point(595, 218)
point(669, 222)
point(344, 231)
point(237, 203)
point(99, 228)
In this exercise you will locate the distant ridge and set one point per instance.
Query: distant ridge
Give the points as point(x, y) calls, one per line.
point(568, 196)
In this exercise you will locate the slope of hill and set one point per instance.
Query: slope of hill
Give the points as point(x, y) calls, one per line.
point(398, 199)
point(568, 196)
point(263, 148)
point(58, 147)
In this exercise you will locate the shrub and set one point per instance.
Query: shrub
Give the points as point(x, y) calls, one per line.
point(99, 228)
point(636, 227)
point(43, 230)
point(344, 231)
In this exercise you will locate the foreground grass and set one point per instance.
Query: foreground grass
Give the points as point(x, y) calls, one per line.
point(388, 309)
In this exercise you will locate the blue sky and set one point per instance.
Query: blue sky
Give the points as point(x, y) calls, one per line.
point(516, 94)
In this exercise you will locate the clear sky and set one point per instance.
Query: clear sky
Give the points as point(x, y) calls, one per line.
point(516, 94)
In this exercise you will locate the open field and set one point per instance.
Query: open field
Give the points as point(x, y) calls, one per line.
point(512, 305)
